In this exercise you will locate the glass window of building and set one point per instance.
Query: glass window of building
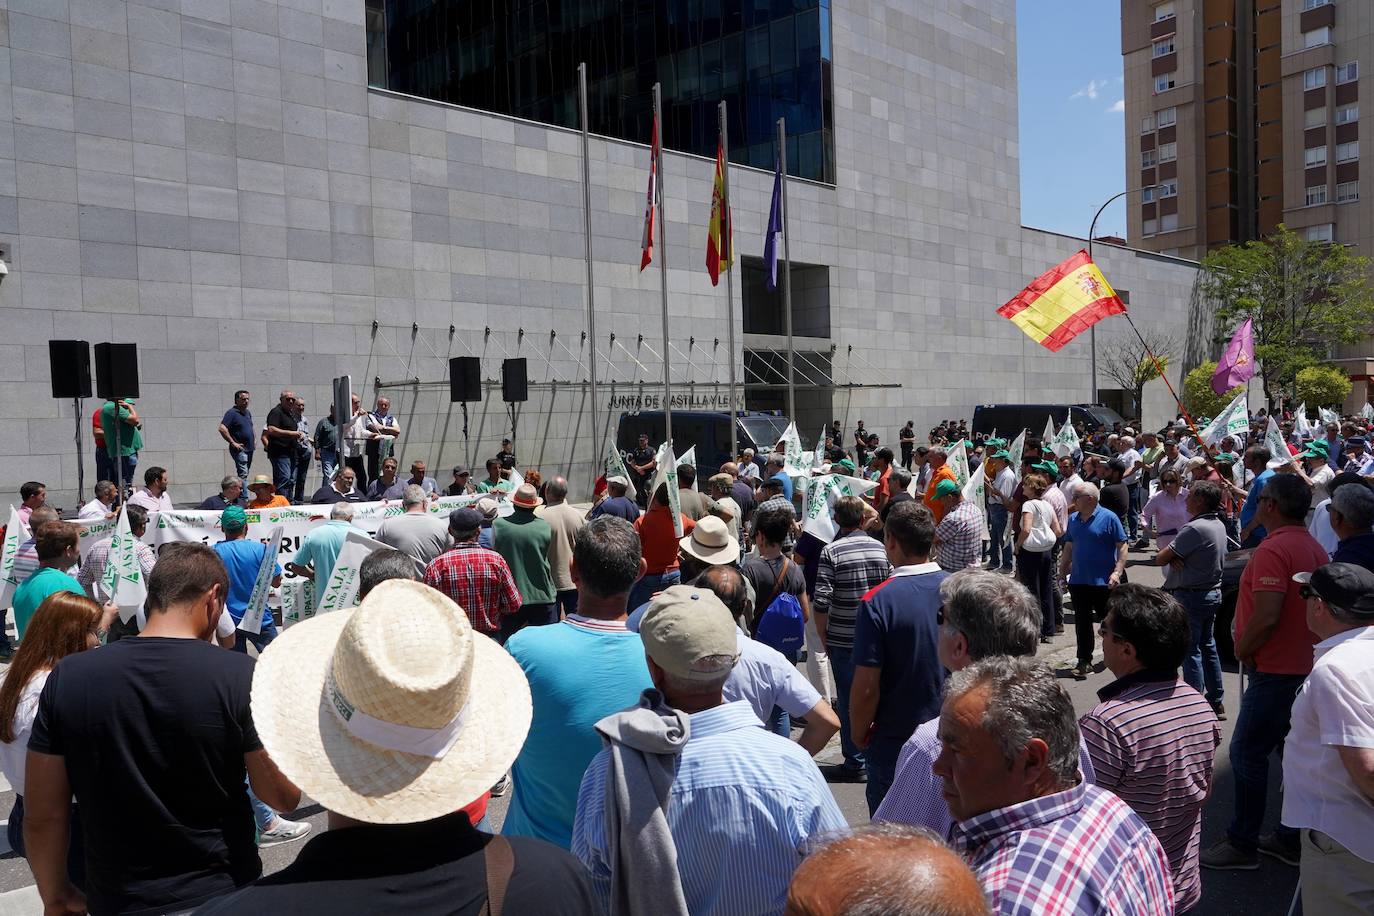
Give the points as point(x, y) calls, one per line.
point(1168, 116)
point(1314, 117)
point(1168, 188)
point(765, 60)
point(1147, 158)
point(1313, 4)
point(1317, 37)
point(1147, 195)
point(1164, 46)
point(1348, 73)
point(1164, 82)
point(1314, 78)
point(1151, 226)
point(1168, 152)
point(1147, 124)
point(1164, 11)
point(1348, 114)
point(1325, 232)
point(1348, 152)
point(1168, 222)
point(1314, 156)
point(1316, 195)
point(1347, 191)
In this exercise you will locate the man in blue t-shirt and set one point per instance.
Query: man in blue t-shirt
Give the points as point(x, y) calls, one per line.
point(897, 674)
point(1093, 560)
point(616, 504)
point(580, 670)
point(237, 429)
point(1257, 459)
point(243, 558)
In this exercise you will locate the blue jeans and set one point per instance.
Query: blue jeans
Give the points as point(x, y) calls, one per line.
point(128, 464)
point(299, 472)
point(283, 472)
point(1261, 726)
point(779, 721)
point(329, 460)
point(1137, 503)
point(842, 666)
point(262, 814)
point(1000, 550)
point(104, 467)
point(1202, 666)
point(260, 640)
point(646, 587)
point(880, 758)
point(241, 462)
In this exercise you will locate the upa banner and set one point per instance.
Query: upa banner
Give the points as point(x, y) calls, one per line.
point(341, 590)
point(15, 534)
point(123, 580)
point(820, 499)
point(1233, 421)
point(615, 467)
point(251, 622)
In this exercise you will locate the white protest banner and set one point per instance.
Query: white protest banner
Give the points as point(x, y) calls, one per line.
point(1018, 446)
point(821, 498)
point(1048, 435)
point(341, 591)
point(123, 580)
point(15, 534)
point(615, 467)
point(958, 463)
point(1065, 441)
point(666, 474)
point(251, 622)
point(1273, 440)
point(1232, 421)
point(297, 601)
point(794, 462)
point(1300, 422)
point(975, 491)
point(690, 457)
point(1327, 416)
point(1367, 411)
point(818, 456)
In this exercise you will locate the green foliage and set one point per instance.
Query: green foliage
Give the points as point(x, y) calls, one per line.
point(1304, 296)
point(1326, 386)
point(1198, 395)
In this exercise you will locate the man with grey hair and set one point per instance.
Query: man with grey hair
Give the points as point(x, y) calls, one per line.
point(381, 565)
point(319, 551)
point(985, 614)
point(230, 494)
point(898, 480)
point(102, 506)
point(564, 521)
point(415, 533)
point(748, 468)
point(1032, 830)
point(699, 850)
point(1351, 514)
point(1093, 561)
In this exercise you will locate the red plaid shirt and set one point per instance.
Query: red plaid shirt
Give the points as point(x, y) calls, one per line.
point(479, 581)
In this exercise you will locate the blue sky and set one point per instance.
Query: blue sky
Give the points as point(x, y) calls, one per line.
point(1072, 127)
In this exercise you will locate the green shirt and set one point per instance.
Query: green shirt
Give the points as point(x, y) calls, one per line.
point(326, 435)
point(523, 540)
point(130, 439)
point(1149, 457)
point(486, 486)
point(31, 592)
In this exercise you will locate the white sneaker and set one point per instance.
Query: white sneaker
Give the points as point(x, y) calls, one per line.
point(282, 831)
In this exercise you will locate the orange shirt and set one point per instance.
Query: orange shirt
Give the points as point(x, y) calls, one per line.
point(936, 508)
point(657, 539)
point(277, 501)
point(1285, 551)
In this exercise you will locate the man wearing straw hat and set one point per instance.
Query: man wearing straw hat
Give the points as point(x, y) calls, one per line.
point(392, 716)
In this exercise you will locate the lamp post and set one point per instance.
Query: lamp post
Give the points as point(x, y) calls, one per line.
point(1092, 230)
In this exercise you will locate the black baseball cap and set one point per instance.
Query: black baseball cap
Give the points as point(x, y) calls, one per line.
point(465, 519)
point(1342, 585)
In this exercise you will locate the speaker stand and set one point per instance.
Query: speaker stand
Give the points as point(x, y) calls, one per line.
point(80, 451)
point(467, 446)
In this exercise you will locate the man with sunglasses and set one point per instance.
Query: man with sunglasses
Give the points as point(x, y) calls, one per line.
point(1275, 646)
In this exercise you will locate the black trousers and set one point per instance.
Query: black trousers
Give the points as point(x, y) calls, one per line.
point(359, 468)
point(1089, 608)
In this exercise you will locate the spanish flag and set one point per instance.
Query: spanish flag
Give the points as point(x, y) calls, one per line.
point(1063, 302)
point(720, 241)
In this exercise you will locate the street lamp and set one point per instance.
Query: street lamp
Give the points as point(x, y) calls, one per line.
point(1092, 230)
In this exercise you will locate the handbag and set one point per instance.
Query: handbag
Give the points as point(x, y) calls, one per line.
point(1041, 536)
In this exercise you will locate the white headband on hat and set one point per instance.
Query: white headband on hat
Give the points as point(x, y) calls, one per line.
point(407, 739)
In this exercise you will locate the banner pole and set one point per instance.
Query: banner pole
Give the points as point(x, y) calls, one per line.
point(786, 270)
point(728, 239)
point(663, 268)
point(587, 232)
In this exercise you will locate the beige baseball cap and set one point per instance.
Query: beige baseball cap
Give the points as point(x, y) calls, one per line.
point(685, 630)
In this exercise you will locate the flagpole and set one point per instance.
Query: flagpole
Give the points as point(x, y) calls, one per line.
point(786, 269)
point(663, 269)
point(587, 232)
point(727, 238)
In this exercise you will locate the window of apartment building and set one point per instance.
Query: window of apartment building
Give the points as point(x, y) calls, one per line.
point(1314, 117)
point(1148, 159)
point(1164, 11)
point(1168, 188)
point(1323, 233)
point(1348, 152)
point(1164, 46)
point(1147, 195)
point(1314, 156)
point(1168, 117)
point(1317, 37)
point(1147, 124)
point(1164, 82)
point(1348, 114)
point(1316, 195)
point(1168, 223)
point(1348, 73)
point(1313, 4)
point(1314, 78)
point(1151, 226)
point(1347, 191)
point(1168, 152)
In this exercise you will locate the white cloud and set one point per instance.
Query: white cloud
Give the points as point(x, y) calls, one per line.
point(1118, 107)
point(1091, 90)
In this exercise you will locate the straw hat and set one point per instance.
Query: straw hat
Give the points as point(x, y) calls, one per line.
point(526, 497)
point(336, 697)
point(710, 542)
point(261, 480)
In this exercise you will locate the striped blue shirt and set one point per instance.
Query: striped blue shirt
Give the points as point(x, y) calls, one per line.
point(743, 809)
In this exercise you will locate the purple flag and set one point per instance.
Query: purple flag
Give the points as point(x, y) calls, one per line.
point(1237, 366)
point(770, 239)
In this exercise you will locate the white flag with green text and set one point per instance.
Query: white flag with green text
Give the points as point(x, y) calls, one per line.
point(123, 580)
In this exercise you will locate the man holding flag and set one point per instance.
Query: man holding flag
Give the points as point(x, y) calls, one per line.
point(242, 558)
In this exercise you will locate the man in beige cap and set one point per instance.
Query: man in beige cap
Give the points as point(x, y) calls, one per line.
point(392, 727)
point(724, 776)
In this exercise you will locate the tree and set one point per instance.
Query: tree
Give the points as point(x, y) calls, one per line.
point(1303, 296)
point(1324, 386)
point(1125, 361)
point(1198, 395)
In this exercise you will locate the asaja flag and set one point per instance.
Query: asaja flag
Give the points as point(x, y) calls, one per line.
point(820, 501)
point(1300, 422)
point(690, 457)
point(666, 474)
point(1237, 364)
point(818, 456)
point(651, 201)
point(795, 462)
point(1273, 440)
point(1232, 421)
point(1327, 416)
point(770, 237)
point(720, 237)
point(123, 580)
point(615, 467)
point(958, 463)
point(1367, 411)
point(251, 622)
point(15, 534)
point(1018, 446)
point(341, 591)
point(1048, 435)
point(1063, 302)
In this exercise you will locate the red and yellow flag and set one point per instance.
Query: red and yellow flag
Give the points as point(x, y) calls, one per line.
point(720, 236)
point(1063, 302)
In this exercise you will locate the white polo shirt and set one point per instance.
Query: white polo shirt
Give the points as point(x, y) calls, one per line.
point(1334, 708)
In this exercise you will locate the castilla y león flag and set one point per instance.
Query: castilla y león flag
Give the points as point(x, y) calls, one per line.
point(1063, 302)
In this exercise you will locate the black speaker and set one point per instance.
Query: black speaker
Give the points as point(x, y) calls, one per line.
point(69, 362)
point(515, 385)
point(464, 379)
point(116, 370)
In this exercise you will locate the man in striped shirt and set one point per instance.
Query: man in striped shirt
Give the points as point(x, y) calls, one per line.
point(849, 566)
point(1153, 738)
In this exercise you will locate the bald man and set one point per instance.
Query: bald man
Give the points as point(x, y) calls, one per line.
point(897, 868)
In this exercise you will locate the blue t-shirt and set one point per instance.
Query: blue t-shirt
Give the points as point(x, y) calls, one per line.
point(1095, 544)
point(618, 506)
point(242, 558)
point(240, 427)
point(1251, 506)
point(580, 671)
point(321, 548)
point(786, 485)
point(896, 631)
point(1357, 549)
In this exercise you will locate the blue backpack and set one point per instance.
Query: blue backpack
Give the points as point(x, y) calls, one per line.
point(782, 624)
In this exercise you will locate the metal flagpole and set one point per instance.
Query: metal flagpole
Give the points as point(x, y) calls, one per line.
point(786, 270)
point(728, 238)
point(591, 284)
point(663, 268)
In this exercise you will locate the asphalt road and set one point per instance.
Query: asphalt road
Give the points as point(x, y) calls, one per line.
point(1255, 893)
